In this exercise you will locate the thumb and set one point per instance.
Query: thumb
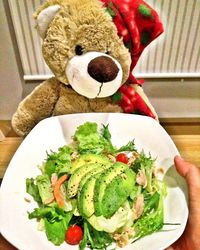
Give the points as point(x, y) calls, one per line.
point(191, 173)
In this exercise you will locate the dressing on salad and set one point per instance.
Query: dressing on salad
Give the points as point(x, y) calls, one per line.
point(94, 194)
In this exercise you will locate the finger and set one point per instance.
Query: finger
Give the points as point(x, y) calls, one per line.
point(169, 248)
point(181, 165)
point(191, 173)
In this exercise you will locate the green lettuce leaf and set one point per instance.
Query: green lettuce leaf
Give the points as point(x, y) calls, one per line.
point(58, 162)
point(145, 163)
point(55, 231)
point(32, 189)
point(91, 141)
point(56, 222)
point(45, 188)
point(94, 239)
point(151, 221)
point(130, 146)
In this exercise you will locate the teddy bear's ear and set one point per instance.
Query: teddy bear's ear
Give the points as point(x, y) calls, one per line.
point(44, 19)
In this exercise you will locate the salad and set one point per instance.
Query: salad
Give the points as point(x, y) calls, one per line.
point(93, 194)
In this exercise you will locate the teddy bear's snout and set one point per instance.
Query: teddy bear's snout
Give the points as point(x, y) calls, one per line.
point(94, 74)
point(103, 69)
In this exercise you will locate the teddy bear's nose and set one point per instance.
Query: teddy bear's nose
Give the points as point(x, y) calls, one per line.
point(103, 69)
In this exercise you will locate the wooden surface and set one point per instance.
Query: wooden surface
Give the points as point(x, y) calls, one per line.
point(188, 146)
point(185, 134)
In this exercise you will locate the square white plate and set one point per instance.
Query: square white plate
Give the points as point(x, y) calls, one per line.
point(54, 132)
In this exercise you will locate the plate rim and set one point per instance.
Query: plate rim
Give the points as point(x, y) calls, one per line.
point(5, 233)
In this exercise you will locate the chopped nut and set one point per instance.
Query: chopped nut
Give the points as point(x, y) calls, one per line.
point(158, 171)
point(112, 158)
point(74, 155)
point(154, 169)
point(131, 161)
point(123, 238)
point(136, 154)
point(130, 231)
point(132, 158)
point(27, 200)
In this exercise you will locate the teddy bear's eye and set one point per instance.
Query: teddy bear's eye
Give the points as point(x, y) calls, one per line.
point(78, 50)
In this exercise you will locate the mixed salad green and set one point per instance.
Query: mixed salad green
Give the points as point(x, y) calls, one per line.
point(93, 194)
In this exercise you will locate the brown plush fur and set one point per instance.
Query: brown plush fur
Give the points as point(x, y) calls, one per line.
point(85, 23)
point(54, 98)
point(79, 22)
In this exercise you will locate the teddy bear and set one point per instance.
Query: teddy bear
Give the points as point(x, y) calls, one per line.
point(92, 47)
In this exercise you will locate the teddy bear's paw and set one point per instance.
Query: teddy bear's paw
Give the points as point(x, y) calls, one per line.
point(22, 123)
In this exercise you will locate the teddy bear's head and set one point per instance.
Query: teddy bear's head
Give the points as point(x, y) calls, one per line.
point(87, 43)
point(81, 46)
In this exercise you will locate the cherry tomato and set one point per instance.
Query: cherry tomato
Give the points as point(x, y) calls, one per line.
point(122, 158)
point(74, 235)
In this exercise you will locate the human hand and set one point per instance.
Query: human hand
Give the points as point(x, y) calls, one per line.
point(190, 239)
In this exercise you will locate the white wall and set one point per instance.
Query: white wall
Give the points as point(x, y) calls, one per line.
point(174, 97)
point(10, 81)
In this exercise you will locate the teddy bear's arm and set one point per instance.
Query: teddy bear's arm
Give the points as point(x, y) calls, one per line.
point(36, 106)
point(104, 105)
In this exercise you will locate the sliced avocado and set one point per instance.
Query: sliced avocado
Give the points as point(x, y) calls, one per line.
point(86, 192)
point(93, 172)
point(75, 179)
point(86, 159)
point(103, 180)
point(86, 198)
point(117, 192)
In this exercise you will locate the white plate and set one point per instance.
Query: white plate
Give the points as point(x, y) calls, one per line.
point(55, 132)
